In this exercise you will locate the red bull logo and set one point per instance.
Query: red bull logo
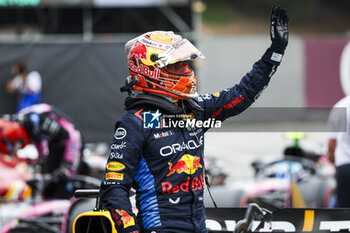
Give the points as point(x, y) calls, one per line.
point(144, 70)
point(139, 52)
point(188, 164)
point(197, 183)
point(124, 217)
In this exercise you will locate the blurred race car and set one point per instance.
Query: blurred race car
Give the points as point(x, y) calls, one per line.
point(289, 182)
point(17, 170)
point(300, 178)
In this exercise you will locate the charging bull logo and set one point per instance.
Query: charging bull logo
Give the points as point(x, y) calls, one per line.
point(188, 164)
point(126, 218)
point(140, 52)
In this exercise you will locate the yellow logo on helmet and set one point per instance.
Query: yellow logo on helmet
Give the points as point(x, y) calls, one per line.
point(151, 51)
point(164, 37)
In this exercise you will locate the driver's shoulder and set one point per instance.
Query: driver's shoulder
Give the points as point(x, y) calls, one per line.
point(136, 115)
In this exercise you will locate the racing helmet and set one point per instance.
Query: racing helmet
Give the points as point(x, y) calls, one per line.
point(12, 134)
point(157, 63)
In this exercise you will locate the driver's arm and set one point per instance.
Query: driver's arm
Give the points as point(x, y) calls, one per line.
point(236, 99)
point(123, 160)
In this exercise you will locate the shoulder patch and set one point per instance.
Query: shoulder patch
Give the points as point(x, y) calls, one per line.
point(217, 94)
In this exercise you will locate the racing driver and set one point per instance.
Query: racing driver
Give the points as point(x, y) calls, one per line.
point(164, 162)
point(57, 140)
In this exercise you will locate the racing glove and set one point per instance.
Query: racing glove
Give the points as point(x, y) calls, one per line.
point(279, 35)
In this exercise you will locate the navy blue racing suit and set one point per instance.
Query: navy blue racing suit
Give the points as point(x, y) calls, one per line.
point(165, 165)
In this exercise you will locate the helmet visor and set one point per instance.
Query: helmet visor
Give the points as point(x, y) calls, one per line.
point(180, 68)
point(182, 50)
